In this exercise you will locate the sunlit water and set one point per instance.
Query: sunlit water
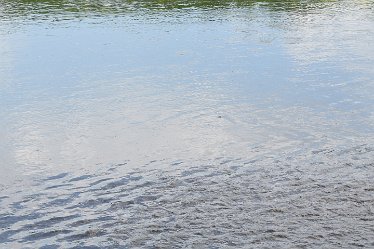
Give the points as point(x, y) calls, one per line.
point(186, 124)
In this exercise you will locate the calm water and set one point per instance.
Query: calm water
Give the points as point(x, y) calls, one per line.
point(186, 124)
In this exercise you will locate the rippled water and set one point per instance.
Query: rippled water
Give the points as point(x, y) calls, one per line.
point(186, 124)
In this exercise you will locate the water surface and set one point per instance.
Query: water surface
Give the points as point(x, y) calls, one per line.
point(198, 124)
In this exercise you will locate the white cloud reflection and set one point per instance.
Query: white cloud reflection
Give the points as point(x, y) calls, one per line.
point(190, 109)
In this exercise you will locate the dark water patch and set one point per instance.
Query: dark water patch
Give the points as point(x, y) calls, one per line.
point(151, 162)
point(80, 178)
point(325, 151)
point(370, 189)
point(140, 187)
point(122, 164)
point(54, 246)
point(62, 201)
point(55, 177)
point(18, 204)
point(44, 224)
point(44, 235)
point(3, 198)
point(121, 182)
point(235, 167)
point(91, 233)
point(226, 161)
point(100, 181)
point(177, 163)
point(146, 198)
point(7, 221)
point(117, 166)
point(122, 204)
point(58, 186)
point(92, 203)
point(192, 172)
point(7, 236)
point(358, 245)
point(357, 150)
point(84, 222)
point(89, 247)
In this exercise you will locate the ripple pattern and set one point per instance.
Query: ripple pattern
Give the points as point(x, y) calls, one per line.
point(299, 200)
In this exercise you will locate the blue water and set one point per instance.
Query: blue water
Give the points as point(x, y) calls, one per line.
point(101, 90)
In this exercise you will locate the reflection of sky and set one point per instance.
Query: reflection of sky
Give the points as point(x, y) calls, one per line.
point(6, 64)
point(84, 94)
point(341, 36)
point(334, 55)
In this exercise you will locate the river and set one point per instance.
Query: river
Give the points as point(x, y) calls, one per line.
point(186, 124)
